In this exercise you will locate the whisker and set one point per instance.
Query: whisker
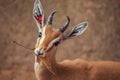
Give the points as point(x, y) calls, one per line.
point(31, 49)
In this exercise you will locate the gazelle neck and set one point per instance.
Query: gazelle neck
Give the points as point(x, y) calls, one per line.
point(49, 61)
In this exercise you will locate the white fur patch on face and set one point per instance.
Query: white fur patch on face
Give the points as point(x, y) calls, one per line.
point(36, 51)
point(43, 35)
point(51, 43)
point(40, 41)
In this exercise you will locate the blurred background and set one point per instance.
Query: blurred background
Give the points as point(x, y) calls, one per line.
point(101, 41)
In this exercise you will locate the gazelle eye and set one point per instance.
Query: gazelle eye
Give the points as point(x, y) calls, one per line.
point(40, 34)
point(56, 43)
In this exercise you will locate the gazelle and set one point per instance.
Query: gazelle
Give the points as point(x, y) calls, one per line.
point(46, 67)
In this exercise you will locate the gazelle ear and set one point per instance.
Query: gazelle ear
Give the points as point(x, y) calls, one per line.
point(38, 14)
point(77, 30)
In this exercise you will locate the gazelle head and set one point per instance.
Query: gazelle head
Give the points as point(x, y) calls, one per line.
point(49, 37)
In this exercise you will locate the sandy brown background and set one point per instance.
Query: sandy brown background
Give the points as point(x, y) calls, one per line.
point(101, 41)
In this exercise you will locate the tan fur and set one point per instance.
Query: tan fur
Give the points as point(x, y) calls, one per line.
point(46, 68)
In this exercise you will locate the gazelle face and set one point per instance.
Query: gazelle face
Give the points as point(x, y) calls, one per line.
point(49, 37)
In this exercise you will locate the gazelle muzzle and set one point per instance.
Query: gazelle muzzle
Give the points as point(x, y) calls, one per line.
point(39, 53)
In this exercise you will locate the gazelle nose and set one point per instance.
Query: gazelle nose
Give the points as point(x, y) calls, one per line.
point(37, 52)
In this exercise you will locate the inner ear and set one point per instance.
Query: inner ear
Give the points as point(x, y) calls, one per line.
point(77, 30)
point(38, 14)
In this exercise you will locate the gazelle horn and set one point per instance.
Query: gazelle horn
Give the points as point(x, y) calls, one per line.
point(50, 18)
point(64, 27)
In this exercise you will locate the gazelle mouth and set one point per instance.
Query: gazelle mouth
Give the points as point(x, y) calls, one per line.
point(40, 55)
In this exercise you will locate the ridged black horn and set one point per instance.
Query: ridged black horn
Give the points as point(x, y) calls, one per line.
point(50, 18)
point(63, 28)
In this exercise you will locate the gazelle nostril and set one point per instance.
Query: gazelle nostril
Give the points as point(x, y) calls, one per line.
point(39, 53)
